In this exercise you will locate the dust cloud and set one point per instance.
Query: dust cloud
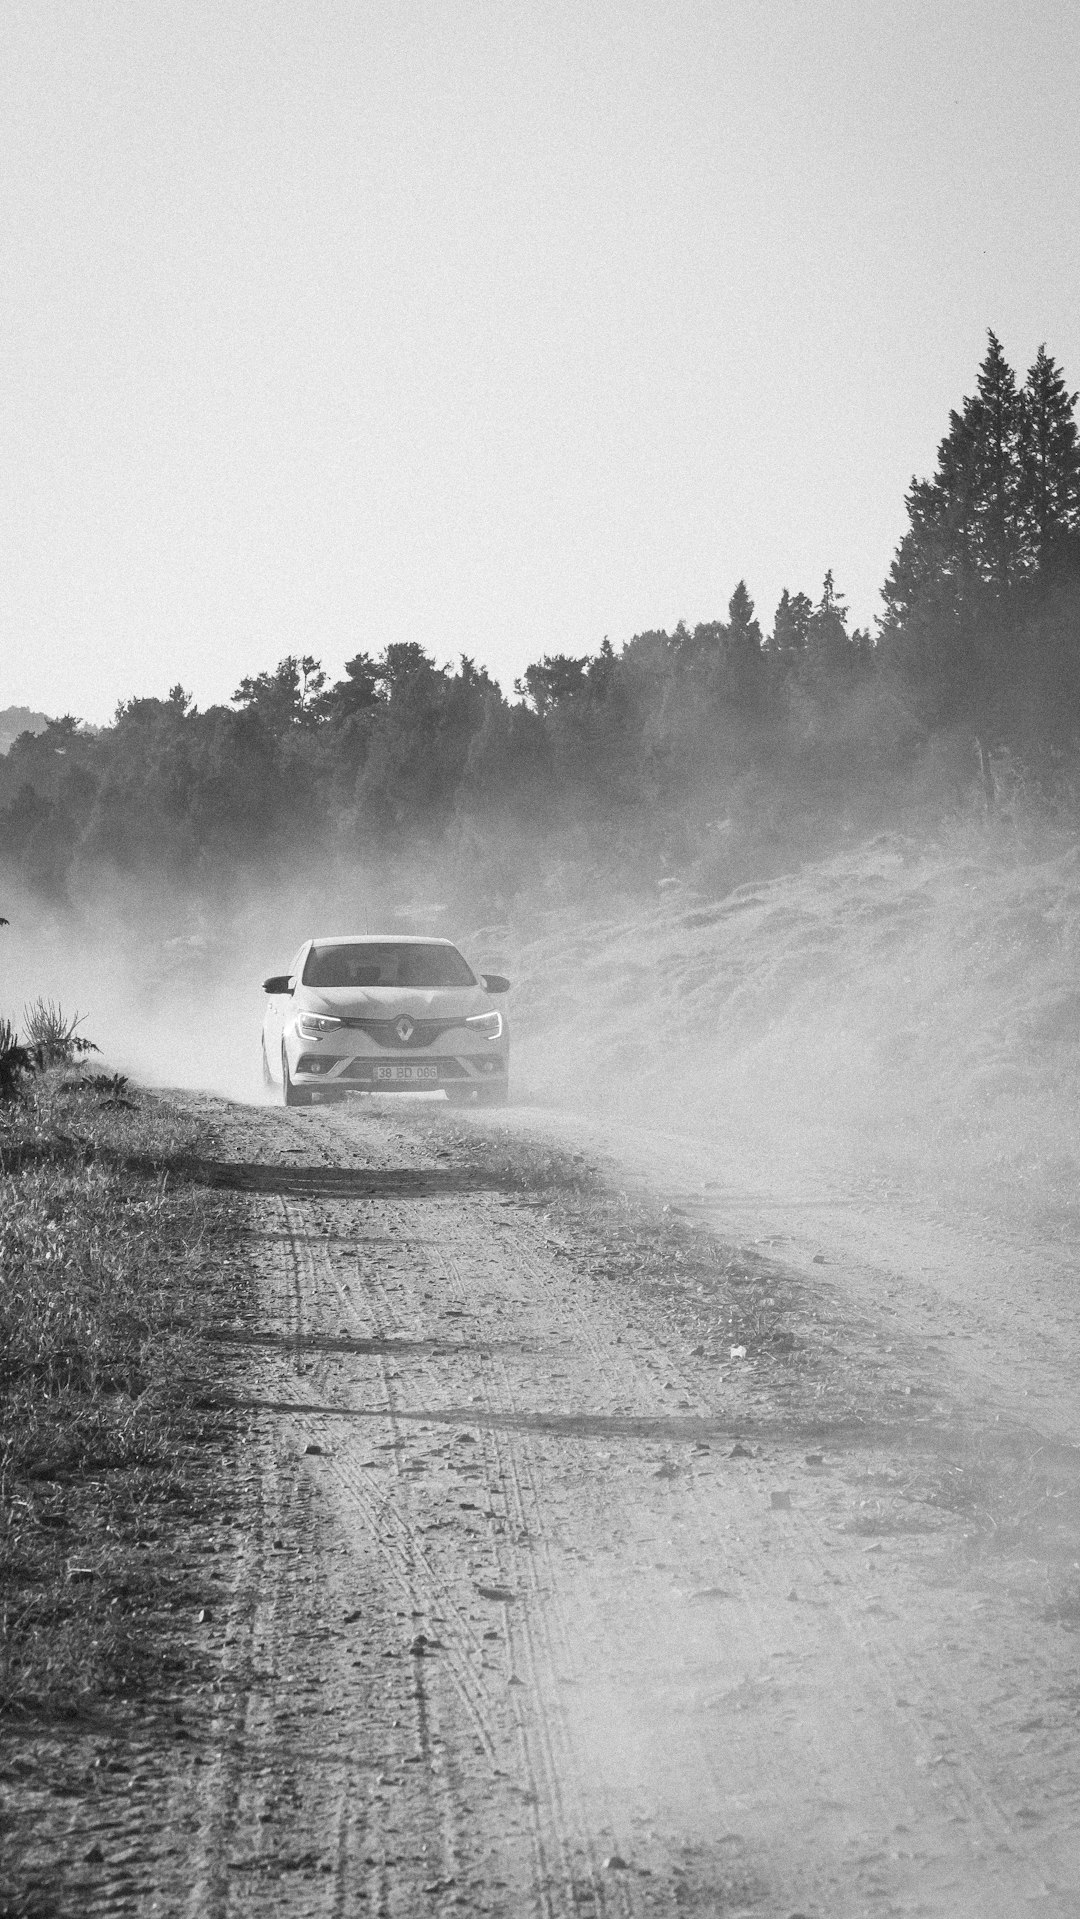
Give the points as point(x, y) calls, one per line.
point(898, 1018)
point(169, 982)
point(903, 1011)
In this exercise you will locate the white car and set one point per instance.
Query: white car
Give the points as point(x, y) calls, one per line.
point(373, 1014)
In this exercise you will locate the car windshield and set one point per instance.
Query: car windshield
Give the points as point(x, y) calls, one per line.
point(393, 963)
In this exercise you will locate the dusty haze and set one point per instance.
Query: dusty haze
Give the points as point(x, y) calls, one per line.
point(891, 1029)
point(904, 1011)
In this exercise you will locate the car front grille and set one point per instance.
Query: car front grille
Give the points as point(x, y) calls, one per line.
point(425, 1032)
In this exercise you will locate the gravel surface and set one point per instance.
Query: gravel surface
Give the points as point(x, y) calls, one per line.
point(597, 1553)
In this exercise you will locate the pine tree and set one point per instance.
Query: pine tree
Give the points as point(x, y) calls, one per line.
point(738, 675)
point(744, 633)
point(1000, 514)
point(996, 422)
point(359, 692)
point(287, 697)
point(553, 681)
point(787, 641)
point(827, 641)
point(1049, 459)
point(968, 525)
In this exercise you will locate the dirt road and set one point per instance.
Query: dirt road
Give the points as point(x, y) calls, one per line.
point(598, 1561)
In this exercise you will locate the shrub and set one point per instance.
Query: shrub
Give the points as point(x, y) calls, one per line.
point(52, 1036)
point(15, 1061)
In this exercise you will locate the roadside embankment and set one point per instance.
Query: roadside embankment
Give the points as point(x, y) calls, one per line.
point(903, 1014)
point(112, 1270)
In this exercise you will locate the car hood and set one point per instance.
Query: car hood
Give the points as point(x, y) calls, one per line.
point(389, 1002)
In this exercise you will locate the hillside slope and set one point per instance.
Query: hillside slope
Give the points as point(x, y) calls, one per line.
point(905, 1009)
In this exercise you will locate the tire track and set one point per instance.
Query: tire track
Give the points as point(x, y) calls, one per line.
point(760, 1704)
point(390, 1523)
point(439, 1594)
point(553, 1776)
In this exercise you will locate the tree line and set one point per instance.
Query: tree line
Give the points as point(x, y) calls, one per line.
point(980, 635)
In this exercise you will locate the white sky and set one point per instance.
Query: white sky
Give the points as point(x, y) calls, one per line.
point(498, 326)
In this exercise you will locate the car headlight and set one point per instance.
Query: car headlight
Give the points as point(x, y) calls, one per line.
point(488, 1025)
point(314, 1025)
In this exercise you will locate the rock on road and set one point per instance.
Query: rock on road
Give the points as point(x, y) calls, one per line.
point(594, 1565)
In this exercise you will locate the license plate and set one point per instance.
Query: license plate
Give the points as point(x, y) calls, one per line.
point(406, 1075)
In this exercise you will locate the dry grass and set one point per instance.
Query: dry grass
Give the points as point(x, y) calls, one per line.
point(52, 1035)
point(102, 1297)
point(907, 1009)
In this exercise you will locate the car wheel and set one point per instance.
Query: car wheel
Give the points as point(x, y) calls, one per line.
point(291, 1095)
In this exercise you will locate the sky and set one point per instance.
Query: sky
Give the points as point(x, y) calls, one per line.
point(501, 327)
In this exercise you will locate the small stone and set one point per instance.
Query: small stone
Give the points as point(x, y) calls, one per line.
point(615, 1863)
point(204, 1615)
point(739, 1451)
point(815, 1459)
point(95, 1856)
point(318, 1451)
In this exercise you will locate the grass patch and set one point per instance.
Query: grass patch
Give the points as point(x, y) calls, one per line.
point(107, 1281)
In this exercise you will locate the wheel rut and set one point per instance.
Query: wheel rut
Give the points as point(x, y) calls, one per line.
point(519, 1629)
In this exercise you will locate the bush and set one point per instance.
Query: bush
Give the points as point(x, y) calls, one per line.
point(53, 1037)
point(15, 1061)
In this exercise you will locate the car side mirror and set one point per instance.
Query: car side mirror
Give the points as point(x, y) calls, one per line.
point(279, 983)
point(495, 983)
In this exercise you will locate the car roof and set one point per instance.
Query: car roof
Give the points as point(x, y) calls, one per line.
point(381, 939)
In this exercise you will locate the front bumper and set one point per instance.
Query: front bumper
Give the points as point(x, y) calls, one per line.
point(368, 1073)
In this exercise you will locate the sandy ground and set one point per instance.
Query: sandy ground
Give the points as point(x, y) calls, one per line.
point(999, 1280)
point(546, 1601)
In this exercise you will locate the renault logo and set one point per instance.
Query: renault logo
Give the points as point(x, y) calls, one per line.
point(404, 1029)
